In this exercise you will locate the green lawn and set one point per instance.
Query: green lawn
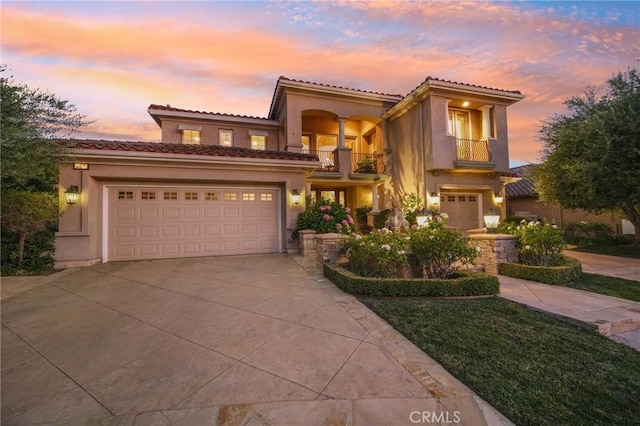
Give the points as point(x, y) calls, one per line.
point(610, 286)
point(533, 368)
point(626, 250)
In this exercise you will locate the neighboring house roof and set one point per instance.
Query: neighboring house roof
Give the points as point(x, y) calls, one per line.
point(523, 188)
point(168, 148)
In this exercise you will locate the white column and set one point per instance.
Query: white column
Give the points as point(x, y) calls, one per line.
point(374, 193)
point(486, 121)
point(341, 143)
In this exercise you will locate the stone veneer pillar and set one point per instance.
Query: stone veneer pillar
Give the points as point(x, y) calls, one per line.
point(495, 249)
point(328, 247)
point(307, 243)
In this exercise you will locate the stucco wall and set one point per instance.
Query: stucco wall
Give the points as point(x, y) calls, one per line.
point(210, 134)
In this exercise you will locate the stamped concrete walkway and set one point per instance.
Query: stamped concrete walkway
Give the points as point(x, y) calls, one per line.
point(249, 340)
point(611, 316)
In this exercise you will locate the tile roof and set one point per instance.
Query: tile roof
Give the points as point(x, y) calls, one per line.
point(169, 148)
point(340, 87)
point(173, 109)
point(516, 92)
point(523, 188)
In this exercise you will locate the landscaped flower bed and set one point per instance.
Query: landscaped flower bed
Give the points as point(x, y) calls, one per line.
point(559, 275)
point(540, 246)
point(462, 283)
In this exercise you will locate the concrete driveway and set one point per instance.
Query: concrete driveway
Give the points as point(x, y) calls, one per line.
point(613, 266)
point(260, 340)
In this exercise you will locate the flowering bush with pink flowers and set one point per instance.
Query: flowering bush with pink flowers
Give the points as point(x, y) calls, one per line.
point(324, 216)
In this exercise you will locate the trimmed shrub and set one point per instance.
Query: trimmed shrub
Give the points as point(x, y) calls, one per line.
point(464, 283)
point(589, 234)
point(379, 219)
point(568, 272)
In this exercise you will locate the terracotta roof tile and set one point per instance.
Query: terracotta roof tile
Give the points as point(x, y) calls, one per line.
point(168, 148)
point(339, 87)
point(173, 109)
point(517, 92)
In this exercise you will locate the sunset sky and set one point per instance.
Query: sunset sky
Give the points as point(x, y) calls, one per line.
point(113, 59)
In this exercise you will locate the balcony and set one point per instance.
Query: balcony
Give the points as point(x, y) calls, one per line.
point(371, 164)
point(328, 163)
point(473, 153)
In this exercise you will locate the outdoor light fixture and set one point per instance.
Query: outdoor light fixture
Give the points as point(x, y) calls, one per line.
point(465, 104)
point(491, 220)
point(422, 218)
point(295, 197)
point(80, 166)
point(72, 194)
point(434, 199)
point(499, 199)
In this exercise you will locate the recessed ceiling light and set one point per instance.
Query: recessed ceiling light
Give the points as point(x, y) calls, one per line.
point(465, 104)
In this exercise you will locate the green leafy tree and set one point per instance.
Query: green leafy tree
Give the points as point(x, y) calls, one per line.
point(29, 121)
point(29, 117)
point(591, 154)
point(26, 214)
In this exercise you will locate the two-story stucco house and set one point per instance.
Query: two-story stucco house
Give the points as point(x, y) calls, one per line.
point(222, 184)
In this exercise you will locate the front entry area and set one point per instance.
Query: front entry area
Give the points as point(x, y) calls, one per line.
point(158, 222)
point(463, 209)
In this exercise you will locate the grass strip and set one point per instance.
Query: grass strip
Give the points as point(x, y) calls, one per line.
point(533, 368)
point(623, 250)
point(609, 286)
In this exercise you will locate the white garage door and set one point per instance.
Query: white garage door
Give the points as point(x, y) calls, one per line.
point(463, 209)
point(168, 222)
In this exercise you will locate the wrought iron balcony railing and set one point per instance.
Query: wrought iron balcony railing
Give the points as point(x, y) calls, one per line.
point(367, 163)
point(327, 159)
point(475, 150)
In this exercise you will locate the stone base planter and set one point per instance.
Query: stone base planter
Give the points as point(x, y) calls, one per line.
point(557, 275)
point(466, 283)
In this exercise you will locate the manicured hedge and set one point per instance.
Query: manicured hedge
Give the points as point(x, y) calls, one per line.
point(559, 275)
point(467, 283)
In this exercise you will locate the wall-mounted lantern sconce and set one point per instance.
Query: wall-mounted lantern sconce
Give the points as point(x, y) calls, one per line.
point(491, 220)
point(499, 198)
point(434, 199)
point(295, 197)
point(72, 194)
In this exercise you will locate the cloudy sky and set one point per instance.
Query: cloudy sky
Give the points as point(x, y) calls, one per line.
point(113, 59)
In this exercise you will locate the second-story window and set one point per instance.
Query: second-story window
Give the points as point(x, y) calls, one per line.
point(225, 137)
point(191, 137)
point(458, 124)
point(258, 142)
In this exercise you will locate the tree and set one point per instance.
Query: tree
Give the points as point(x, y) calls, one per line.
point(591, 154)
point(26, 214)
point(28, 118)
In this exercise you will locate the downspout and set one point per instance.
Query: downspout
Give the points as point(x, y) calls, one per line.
point(422, 157)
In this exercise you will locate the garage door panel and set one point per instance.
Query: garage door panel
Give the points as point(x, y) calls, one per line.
point(462, 208)
point(161, 222)
point(122, 213)
point(149, 231)
point(211, 213)
point(148, 213)
point(191, 213)
point(170, 213)
point(191, 230)
point(171, 230)
point(125, 231)
point(148, 249)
